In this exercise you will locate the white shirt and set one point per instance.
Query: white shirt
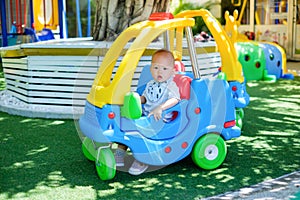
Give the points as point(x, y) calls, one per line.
point(157, 93)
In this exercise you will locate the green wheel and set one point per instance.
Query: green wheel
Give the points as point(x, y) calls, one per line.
point(240, 112)
point(209, 151)
point(88, 149)
point(239, 121)
point(106, 164)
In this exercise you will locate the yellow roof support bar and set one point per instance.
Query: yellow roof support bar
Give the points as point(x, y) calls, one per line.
point(230, 64)
point(103, 90)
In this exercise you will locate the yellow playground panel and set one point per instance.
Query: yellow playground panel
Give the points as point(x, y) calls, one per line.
point(272, 21)
point(45, 14)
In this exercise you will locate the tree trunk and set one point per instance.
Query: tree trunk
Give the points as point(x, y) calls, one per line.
point(114, 16)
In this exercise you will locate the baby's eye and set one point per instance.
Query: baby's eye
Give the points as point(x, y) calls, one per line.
point(155, 67)
point(165, 68)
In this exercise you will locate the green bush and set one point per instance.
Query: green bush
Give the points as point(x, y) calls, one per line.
point(199, 23)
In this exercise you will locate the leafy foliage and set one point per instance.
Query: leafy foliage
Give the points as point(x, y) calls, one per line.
point(199, 23)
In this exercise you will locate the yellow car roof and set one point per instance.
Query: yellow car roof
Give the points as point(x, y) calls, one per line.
point(104, 91)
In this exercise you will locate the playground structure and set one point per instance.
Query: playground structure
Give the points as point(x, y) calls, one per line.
point(113, 111)
point(260, 60)
point(275, 60)
point(45, 14)
point(272, 21)
point(32, 21)
point(253, 60)
point(29, 17)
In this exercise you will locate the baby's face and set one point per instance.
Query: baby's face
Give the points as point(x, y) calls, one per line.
point(161, 68)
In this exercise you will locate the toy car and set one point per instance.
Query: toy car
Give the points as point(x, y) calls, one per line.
point(203, 120)
point(231, 69)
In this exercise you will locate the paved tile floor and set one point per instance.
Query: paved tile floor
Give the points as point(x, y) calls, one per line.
point(286, 187)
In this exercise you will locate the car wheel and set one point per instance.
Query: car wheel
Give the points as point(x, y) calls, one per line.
point(210, 151)
point(106, 164)
point(88, 149)
point(239, 121)
point(239, 117)
point(240, 112)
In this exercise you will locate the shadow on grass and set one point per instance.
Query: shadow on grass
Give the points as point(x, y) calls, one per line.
point(43, 159)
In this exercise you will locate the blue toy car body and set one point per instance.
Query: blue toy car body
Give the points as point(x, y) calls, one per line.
point(202, 121)
point(210, 109)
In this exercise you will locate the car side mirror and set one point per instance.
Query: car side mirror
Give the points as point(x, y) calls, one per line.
point(132, 107)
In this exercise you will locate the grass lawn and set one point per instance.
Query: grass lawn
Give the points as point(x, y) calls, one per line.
point(42, 158)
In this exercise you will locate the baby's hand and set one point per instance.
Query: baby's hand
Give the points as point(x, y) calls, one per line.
point(156, 112)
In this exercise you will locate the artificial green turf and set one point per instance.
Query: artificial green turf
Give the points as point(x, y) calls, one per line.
point(2, 80)
point(42, 158)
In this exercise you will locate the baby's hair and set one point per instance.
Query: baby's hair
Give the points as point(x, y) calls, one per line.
point(166, 52)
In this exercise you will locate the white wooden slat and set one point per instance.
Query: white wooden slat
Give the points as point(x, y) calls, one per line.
point(15, 83)
point(84, 69)
point(61, 75)
point(17, 95)
point(15, 66)
point(55, 94)
point(146, 58)
point(15, 60)
point(39, 94)
point(78, 108)
point(75, 109)
point(73, 61)
point(17, 89)
point(36, 65)
point(209, 60)
point(63, 58)
point(136, 75)
point(55, 101)
point(140, 64)
point(208, 55)
point(36, 100)
point(134, 82)
point(70, 88)
point(208, 72)
point(208, 76)
point(202, 61)
point(52, 80)
point(14, 71)
point(138, 69)
point(210, 65)
point(204, 70)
